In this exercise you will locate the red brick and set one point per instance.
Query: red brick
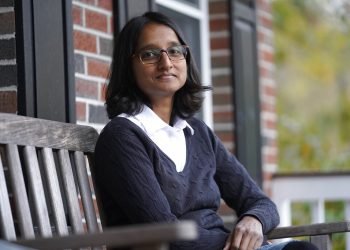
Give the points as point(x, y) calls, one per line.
point(221, 80)
point(7, 21)
point(264, 38)
point(217, 7)
point(219, 24)
point(98, 68)
point(85, 88)
point(270, 158)
point(270, 124)
point(273, 143)
point(223, 116)
point(264, 5)
point(77, 15)
point(268, 175)
point(265, 73)
point(221, 61)
point(269, 90)
point(222, 99)
point(267, 56)
point(95, 20)
point(225, 136)
point(8, 101)
point(269, 107)
point(265, 21)
point(105, 4)
point(84, 41)
point(81, 111)
point(111, 23)
point(220, 43)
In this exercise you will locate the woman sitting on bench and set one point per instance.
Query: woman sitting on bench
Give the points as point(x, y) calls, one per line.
point(155, 162)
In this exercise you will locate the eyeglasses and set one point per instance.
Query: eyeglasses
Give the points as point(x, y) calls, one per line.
point(152, 56)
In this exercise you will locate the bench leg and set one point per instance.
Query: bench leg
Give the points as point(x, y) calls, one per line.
point(323, 242)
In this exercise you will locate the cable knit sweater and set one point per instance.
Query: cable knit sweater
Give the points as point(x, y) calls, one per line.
point(138, 183)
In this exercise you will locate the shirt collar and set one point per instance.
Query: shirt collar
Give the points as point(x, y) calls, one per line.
point(152, 123)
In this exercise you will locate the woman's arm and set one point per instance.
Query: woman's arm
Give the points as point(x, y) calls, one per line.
point(257, 214)
point(240, 191)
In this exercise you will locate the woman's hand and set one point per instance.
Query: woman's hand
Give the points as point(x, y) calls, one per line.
point(247, 235)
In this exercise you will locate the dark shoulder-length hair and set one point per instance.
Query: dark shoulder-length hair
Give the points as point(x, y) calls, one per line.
point(122, 93)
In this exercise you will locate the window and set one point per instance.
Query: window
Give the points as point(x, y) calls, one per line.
point(192, 17)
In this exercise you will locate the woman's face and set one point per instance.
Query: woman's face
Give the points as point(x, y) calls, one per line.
point(163, 78)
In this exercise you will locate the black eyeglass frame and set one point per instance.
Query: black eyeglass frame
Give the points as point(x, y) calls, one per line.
point(185, 52)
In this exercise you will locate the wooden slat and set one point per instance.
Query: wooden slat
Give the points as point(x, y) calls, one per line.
point(23, 130)
point(19, 192)
point(37, 191)
point(54, 191)
point(69, 187)
point(136, 235)
point(322, 242)
point(85, 192)
point(314, 229)
point(6, 219)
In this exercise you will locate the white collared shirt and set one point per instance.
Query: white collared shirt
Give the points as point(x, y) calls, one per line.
point(171, 140)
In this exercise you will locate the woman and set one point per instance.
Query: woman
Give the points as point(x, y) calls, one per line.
point(155, 162)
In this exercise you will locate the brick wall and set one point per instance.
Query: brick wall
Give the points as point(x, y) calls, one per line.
point(223, 110)
point(8, 69)
point(221, 71)
point(93, 36)
point(221, 79)
point(267, 91)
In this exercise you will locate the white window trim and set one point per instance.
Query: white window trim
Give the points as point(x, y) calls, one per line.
point(202, 15)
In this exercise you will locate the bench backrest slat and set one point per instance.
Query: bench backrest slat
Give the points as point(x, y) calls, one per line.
point(7, 226)
point(85, 192)
point(37, 190)
point(69, 187)
point(54, 192)
point(25, 221)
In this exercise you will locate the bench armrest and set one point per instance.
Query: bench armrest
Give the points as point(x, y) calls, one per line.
point(125, 236)
point(309, 230)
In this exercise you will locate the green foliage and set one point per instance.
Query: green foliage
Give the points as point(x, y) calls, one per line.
point(312, 48)
point(312, 44)
point(335, 212)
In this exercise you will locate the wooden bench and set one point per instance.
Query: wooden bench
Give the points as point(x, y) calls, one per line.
point(47, 199)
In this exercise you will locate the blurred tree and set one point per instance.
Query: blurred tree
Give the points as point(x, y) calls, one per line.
point(312, 48)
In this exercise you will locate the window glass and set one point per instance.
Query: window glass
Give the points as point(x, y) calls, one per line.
point(312, 47)
point(192, 2)
point(190, 28)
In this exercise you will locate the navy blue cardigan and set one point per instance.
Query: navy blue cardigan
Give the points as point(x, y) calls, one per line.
point(138, 183)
